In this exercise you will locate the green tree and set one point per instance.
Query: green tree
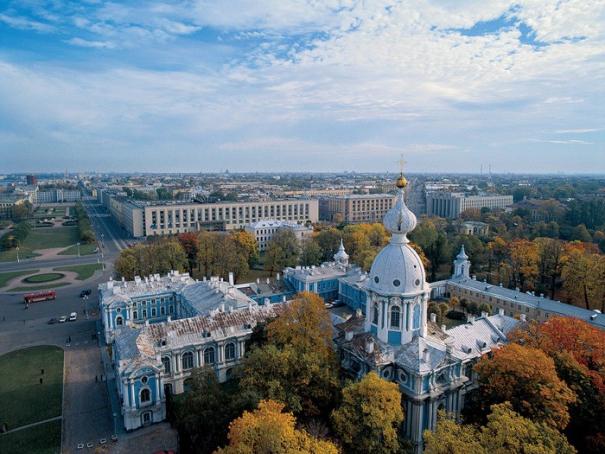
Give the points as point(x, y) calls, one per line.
point(328, 241)
point(311, 253)
point(370, 416)
point(282, 251)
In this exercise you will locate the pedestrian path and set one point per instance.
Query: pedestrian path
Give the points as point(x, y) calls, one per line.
point(27, 426)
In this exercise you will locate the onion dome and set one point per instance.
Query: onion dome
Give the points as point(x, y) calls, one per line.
point(398, 269)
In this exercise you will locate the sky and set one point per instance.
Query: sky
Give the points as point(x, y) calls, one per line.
point(302, 85)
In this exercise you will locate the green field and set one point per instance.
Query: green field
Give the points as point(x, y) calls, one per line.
point(24, 399)
point(85, 249)
point(84, 271)
point(50, 212)
point(51, 238)
point(42, 439)
point(5, 277)
point(42, 278)
point(31, 288)
point(11, 255)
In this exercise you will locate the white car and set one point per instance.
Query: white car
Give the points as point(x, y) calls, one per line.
point(63, 319)
point(73, 316)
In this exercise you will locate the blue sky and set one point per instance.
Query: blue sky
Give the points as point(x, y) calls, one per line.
point(314, 85)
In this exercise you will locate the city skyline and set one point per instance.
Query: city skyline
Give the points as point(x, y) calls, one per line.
point(202, 86)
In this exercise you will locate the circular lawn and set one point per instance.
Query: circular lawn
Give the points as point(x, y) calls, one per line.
point(44, 277)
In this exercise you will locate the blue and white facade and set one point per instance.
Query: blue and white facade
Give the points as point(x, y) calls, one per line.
point(162, 328)
point(432, 365)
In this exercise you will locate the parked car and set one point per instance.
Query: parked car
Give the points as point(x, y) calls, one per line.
point(52, 321)
point(73, 316)
point(63, 319)
point(85, 292)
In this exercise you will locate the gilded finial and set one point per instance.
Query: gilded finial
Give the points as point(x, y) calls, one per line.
point(401, 181)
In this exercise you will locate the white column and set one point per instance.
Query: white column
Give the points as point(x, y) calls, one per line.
point(133, 403)
point(158, 388)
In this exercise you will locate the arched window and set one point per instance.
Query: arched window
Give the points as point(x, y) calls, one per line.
point(375, 316)
point(209, 355)
point(395, 317)
point(119, 321)
point(145, 395)
point(187, 360)
point(166, 364)
point(416, 318)
point(230, 351)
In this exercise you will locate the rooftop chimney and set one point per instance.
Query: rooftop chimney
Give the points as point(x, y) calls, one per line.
point(348, 336)
point(369, 346)
point(433, 317)
point(523, 317)
point(277, 277)
point(443, 328)
point(358, 313)
point(484, 314)
point(500, 311)
point(231, 278)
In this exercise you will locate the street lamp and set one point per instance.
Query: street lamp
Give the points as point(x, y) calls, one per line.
point(78, 244)
point(17, 254)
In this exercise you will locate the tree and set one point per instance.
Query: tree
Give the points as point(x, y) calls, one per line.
point(523, 259)
point(282, 251)
point(247, 245)
point(526, 377)
point(298, 365)
point(328, 241)
point(311, 253)
point(581, 279)
point(551, 257)
point(505, 432)
point(268, 430)
point(369, 416)
point(203, 417)
point(207, 252)
point(191, 245)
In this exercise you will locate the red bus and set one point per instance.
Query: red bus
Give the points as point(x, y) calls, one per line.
point(39, 296)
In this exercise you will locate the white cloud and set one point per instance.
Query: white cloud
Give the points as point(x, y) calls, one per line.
point(93, 44)
point(24, 23)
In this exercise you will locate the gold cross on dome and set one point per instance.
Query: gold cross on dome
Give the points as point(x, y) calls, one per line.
point(401, 162)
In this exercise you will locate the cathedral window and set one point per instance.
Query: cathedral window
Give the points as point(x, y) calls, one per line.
point(187, 360)
point(209, 355)
point(230, 351)
point(119, 321)
point(166, 364)
point(395, 317)
point(145, 395)
point(416, 318)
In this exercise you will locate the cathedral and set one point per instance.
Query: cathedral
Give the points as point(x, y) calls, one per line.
point(433, 366)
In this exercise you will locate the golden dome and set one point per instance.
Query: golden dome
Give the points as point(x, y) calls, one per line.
point(401, 182)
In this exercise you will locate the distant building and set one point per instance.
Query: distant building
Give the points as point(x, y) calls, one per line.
point(141, 219)
point(8, 202)
point(473, 228)
point(58, 196)
point(355, 208)
point(263, 231)
point(453, 204)
point(32, 180)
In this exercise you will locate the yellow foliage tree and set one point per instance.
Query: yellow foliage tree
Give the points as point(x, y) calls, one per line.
point(369, 417)
point(268, 430)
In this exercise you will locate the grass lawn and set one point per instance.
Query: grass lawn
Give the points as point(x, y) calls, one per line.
point(252, 275)
point(31, 288)
point(42, 439)
point(5, 277)
point(24, 399)
point(11, 255)
point(51, 238)
point(84, 271)
point(44, 277)
point(85, 249)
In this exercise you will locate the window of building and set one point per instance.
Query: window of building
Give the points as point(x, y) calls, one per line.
point(375, 315)
point(166, 364)
point(187, 360)
point(135, 315)
point(153, 312)
point(209, 355)
point(395, 317)
point(119, 321)
point(145, 395)
point(230, 351)
point(144, 313)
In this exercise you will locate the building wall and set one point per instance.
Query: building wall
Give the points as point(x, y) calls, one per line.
point(356, 208)
point(452, 205)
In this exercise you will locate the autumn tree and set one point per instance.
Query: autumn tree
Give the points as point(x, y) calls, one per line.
point(270, 430)
point(364, 241)
point(505, 432)
point(369, 417)
point(247, 245)
point(523, 260)
point(578, 350)
point(551, 258)
point(160, 256)
point(298, 365)
point(526, 377)
point(583, 279)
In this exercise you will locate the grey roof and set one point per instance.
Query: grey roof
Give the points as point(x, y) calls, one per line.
point(422, 354)
point(326, 270)
point(207, 296)
point(533, 301)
